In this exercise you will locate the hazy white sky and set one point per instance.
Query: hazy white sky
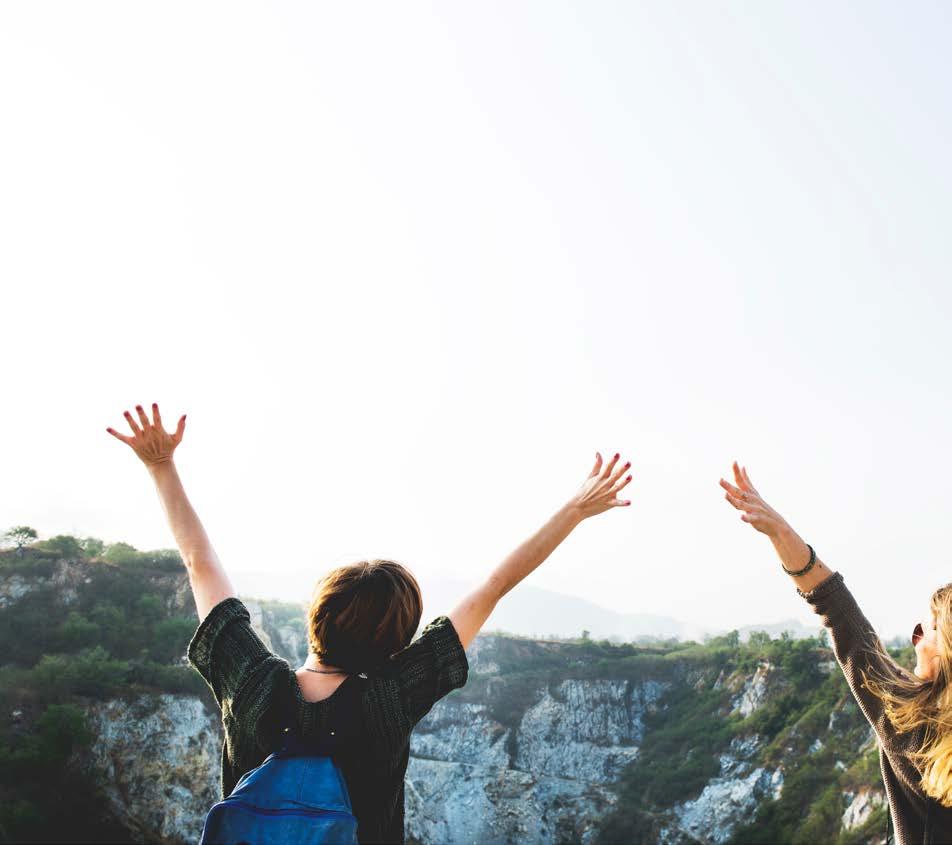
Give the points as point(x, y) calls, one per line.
point(407, 266)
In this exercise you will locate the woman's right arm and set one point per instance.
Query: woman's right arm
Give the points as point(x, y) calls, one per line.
point(599, 493)
point(791, 549)
point(856, 646)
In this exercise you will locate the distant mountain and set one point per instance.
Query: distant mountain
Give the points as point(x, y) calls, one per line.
point(797, 630)
point(530, 611)
point(534, 612)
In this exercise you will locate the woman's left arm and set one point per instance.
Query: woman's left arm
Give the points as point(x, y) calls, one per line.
point(856, 646)
point(154, 447)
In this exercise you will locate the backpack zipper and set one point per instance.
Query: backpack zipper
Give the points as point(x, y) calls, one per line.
point(286, 812)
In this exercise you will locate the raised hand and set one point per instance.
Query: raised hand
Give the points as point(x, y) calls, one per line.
point(601, 488)
point(152, 443)
point(744, 496)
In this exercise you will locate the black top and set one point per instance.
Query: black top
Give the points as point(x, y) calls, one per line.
point(256, 689)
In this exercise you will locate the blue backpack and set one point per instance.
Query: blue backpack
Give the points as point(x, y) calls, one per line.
point(297, 796)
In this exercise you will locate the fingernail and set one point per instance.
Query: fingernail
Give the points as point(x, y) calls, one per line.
point(616, 456)
point(629, 478)
point(628, 464)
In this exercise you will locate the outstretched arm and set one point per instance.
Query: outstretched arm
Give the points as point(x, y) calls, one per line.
point(597, 494)
point(857, 647)
point(792, 550)
point(154, 447)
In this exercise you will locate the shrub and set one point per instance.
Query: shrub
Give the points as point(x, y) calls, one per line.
point(63, 545)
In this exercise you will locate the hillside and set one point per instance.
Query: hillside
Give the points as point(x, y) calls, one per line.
point(108, 736)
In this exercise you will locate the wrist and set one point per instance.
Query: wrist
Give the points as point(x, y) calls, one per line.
point(791, 548)
point(163, 467)
point(572, 512)
point(783, 534)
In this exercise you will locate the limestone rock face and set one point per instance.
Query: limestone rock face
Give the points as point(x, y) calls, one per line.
point(458, 803)
point(546, 778)
point(13, 588)
point(456, 732)
point(754, 691)
point(861, 807)
point(69, 576)
point(157, 760)
point(288, 641)
point(472, 779)
point(524, 756)
point(585, 730)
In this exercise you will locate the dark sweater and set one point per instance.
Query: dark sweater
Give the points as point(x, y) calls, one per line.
point(917, 819)
point(255, 689)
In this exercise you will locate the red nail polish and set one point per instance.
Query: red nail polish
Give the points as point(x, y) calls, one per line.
point(616, 456)
point(629, 478)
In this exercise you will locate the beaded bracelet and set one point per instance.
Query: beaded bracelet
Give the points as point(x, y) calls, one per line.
point(805, 569)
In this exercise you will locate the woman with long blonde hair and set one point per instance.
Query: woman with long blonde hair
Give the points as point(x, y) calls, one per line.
point(910, 712)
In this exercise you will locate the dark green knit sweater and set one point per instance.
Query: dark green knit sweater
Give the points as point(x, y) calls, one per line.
point(255, 688)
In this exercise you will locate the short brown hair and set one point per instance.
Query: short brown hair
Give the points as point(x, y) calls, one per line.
point(363, 613)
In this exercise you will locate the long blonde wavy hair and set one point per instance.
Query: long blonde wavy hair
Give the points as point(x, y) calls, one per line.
point(912, 703)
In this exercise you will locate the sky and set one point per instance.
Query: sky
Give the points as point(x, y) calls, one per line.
point(406, 267)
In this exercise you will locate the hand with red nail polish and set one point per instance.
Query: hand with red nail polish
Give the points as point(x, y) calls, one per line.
point(150, 441)
point(600, 491)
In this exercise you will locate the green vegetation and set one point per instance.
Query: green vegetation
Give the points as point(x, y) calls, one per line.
point(85, 621)
point(97, 622)
point(684, 741)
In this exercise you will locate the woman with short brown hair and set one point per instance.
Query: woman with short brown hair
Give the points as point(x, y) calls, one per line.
point(363, 671)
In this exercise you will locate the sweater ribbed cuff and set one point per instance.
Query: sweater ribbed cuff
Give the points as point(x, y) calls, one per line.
point(221, 615)
point(824, 589)
point(447, 648)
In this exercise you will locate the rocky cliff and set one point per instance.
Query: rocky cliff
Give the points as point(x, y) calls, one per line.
point(548, 742)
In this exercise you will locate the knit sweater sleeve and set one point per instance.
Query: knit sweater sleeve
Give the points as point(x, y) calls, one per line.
point(430, 667)
point(859, 650)
point(227, 652)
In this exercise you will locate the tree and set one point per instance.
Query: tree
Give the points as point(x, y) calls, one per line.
point(731, 639)
point(92, 546)
point(67, 545)
point(20, 535)
point(61, 728)
point(121, 553)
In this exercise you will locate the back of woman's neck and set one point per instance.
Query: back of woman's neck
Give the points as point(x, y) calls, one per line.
point(312, 664)
point(316, 686)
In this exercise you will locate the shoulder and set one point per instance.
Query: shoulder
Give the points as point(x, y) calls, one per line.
point(438, 642)
point(226, 613)
point(431, 666)
point(228, 653)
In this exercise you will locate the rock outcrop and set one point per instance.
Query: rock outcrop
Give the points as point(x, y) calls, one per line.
point(156, 758)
